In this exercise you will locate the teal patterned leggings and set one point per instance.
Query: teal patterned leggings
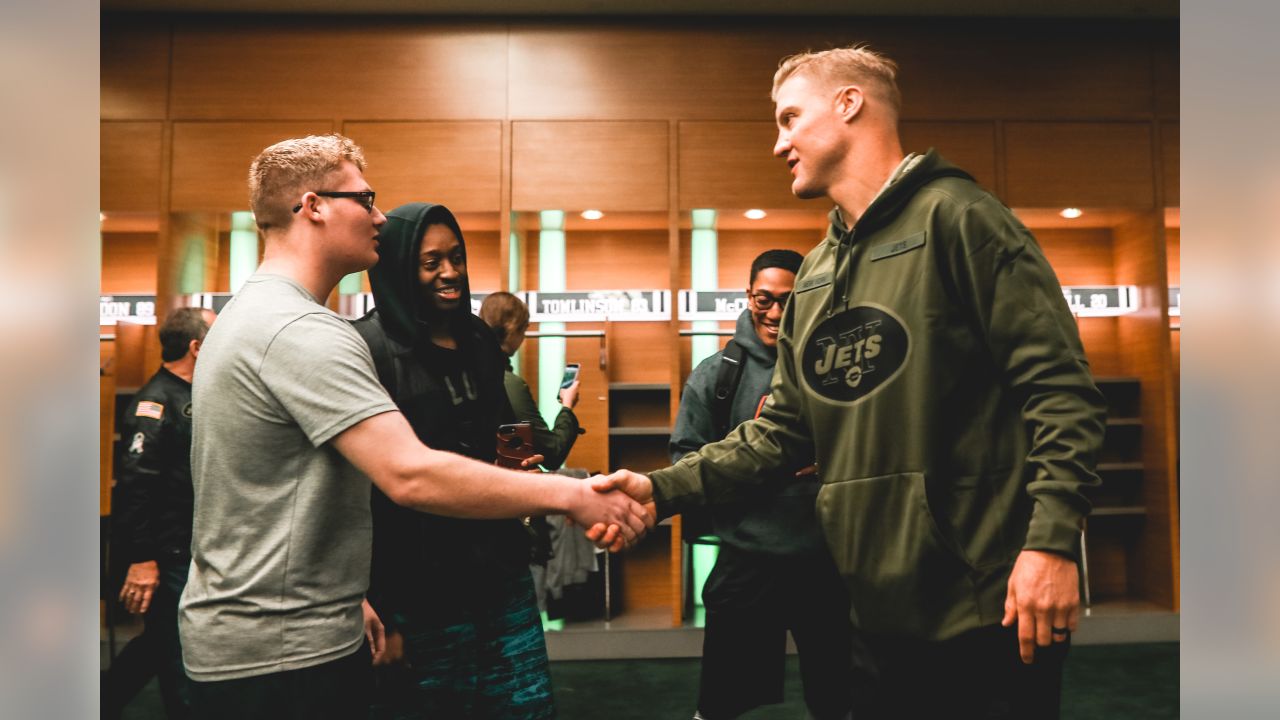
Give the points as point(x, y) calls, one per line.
point(491, 664)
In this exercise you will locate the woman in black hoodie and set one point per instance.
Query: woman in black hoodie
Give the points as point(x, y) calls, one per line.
point(464, 634)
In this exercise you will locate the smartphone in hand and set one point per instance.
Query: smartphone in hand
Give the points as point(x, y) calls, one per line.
point(515, 443)
point(570, 375)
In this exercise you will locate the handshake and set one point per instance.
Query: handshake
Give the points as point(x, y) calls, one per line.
point(616, 510)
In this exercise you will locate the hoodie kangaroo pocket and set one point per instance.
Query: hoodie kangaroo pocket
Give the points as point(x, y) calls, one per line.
point(903, 577)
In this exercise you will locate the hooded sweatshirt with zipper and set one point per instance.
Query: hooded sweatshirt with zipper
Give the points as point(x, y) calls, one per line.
point(930, 363)
point(776, 518)
point(454, 400)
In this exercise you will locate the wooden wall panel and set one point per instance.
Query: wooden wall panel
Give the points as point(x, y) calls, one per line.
point(1079, 257)
point(618, 166)
point(1087, 257)
point(1020, 70)
point(647, 572)
point(1144, 349)
point(640, 352)
point(106, 431)
point(194, 244)
point(739, 248)
point(295, 69)
point(131, 366)
point(1100, 337)
point(731, 165)
point(129, 174)
point(1173, 255)
point(135, 68)
point(613, 260)
point(591, 451)
point(1170, 163)
point(1166, 76)
point(1079, 164)
point(1110, 549)
point(211, 160)
point(617, 260)
point(299, 68)
point(456, 164)
point(970, 145)
point(1081, 70)
point(129, 263)
point(483, 269)
point(621, 73)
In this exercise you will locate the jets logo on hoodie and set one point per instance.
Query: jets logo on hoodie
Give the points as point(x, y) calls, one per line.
point(852, 354)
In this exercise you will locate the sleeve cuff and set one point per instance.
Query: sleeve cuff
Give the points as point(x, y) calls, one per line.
point(675, 489)
point(1055, 527)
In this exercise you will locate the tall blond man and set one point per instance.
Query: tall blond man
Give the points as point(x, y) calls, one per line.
point(290, 427)
point(929, 362)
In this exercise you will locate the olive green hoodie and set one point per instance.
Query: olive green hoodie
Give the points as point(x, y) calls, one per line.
point(930, 363)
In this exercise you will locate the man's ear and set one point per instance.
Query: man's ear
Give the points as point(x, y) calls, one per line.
point(849, 101)
point(310, 206)
point(193, 348)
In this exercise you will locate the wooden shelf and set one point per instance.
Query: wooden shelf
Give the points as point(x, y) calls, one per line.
point(1124, 422)
point(653, 431)
point(639, 387)
point(1119, 511)
point(1119, 467)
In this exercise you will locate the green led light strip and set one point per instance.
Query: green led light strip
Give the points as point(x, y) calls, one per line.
point(551, 278)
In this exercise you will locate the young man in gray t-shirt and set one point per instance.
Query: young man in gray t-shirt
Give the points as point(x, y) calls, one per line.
point(289, 421)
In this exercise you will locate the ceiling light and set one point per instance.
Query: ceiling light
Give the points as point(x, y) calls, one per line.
point(1071, 213)
point(592, 214)
point(102, 217)
point(755, 214)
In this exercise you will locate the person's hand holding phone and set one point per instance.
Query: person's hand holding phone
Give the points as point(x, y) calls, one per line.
point(569, 395)
point(569, 385)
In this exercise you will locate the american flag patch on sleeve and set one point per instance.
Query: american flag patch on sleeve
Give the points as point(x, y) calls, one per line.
point(148, 409)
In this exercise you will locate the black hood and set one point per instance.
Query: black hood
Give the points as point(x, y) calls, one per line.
point(396, 292)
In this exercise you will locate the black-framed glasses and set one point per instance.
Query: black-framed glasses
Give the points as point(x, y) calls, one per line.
point(364, 197)
point(764, 300)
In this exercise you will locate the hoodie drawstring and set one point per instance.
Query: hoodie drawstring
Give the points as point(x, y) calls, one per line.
point(841, 286)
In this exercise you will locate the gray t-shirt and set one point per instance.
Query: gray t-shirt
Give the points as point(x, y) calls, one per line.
point(282, 534)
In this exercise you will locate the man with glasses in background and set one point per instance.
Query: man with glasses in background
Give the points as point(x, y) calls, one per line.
point(773, 572)
point(290, 421)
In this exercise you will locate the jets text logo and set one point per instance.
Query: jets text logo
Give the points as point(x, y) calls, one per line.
point(855, 352)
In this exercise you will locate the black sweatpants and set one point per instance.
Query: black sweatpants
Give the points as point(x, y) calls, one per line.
point(752, 600)
point(978, 674)
point(336, 690)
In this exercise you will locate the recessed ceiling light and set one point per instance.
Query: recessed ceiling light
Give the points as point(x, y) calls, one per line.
point(102, 217)
point(1071, 213)
point(755, 214)
point(592, 214)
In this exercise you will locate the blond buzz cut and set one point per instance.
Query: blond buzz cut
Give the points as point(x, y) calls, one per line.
point(853, 65)
point(284, 171)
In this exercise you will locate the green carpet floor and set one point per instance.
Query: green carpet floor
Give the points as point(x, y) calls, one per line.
point(1111, 682)
point(1102, 682)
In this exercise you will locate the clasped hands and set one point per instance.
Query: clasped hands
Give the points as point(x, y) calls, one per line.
point(616, 510)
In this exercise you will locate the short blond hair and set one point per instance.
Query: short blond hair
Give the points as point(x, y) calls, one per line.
point(854, 65)
point(282, 172)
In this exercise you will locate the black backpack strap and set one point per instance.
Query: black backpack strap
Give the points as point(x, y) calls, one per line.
point(727, 377)
point(696, 525)
point(370, 328)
